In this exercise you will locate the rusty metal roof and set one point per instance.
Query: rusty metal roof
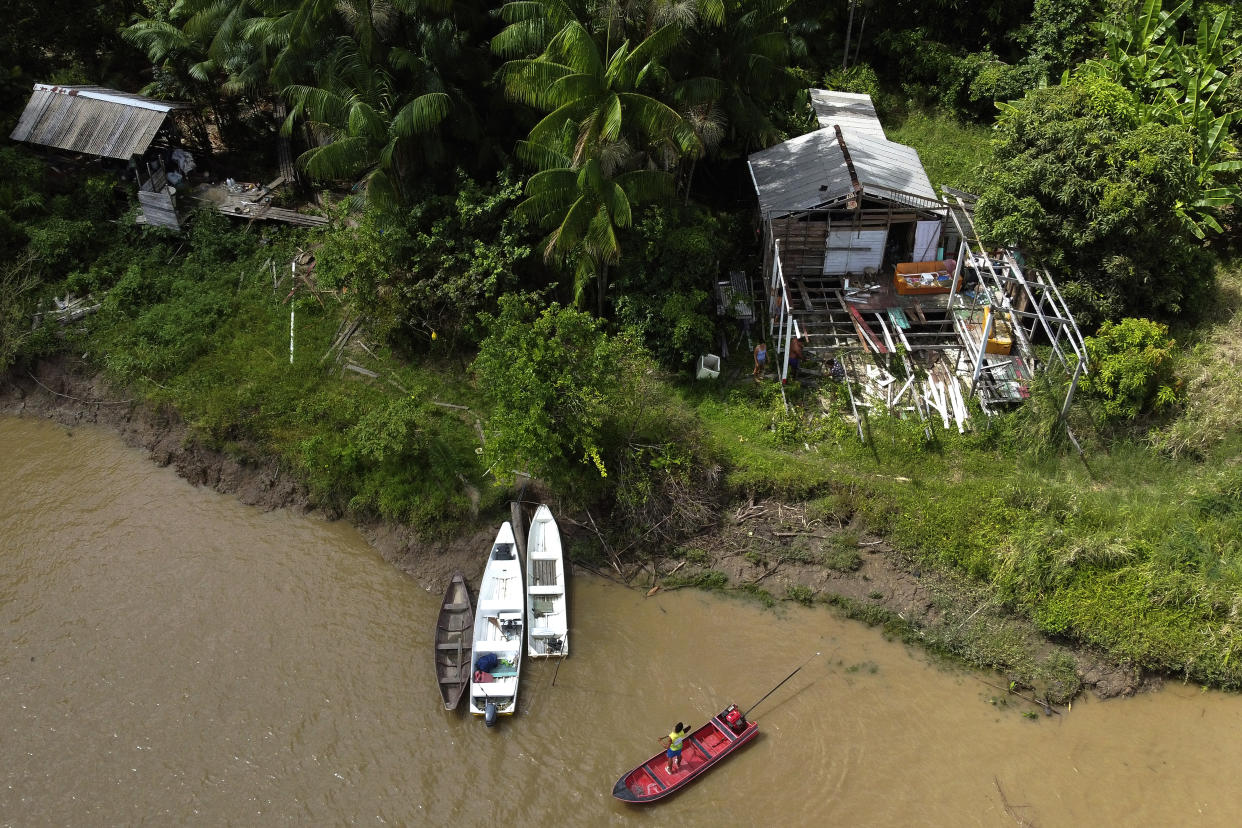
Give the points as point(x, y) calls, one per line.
point(91, 119)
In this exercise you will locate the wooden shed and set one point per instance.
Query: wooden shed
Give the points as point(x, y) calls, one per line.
point(92, 119)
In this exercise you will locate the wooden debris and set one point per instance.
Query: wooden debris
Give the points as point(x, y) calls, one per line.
point(69, 309)
point(342, 338)
point(358, 369)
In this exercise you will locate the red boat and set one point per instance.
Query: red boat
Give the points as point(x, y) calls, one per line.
point(700, 751)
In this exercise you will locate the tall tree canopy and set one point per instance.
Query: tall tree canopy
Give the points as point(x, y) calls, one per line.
point(1079, 179)
point(591, 148)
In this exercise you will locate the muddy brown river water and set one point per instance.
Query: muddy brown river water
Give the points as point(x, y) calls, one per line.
point(170, 656)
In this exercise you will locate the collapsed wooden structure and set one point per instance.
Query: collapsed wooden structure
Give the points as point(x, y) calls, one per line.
point(163, 206)
point(888, 283)
point(94, 120)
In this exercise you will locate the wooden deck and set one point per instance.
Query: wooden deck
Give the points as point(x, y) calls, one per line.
point(254, 202)
point(248, 201)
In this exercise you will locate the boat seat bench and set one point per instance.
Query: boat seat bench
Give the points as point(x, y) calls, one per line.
point(498, 647)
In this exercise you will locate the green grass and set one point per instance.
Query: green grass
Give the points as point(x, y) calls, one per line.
point(203, 331)
point(1137, 551)
point(951, 152)
point(1212, 372)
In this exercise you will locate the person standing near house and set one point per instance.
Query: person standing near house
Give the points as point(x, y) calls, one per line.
point(795, 356)
point(761, 358)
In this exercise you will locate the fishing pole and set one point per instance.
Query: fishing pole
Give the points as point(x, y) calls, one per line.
point(778, 687)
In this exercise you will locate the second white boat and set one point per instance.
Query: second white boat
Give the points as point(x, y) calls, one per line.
point(547, 604)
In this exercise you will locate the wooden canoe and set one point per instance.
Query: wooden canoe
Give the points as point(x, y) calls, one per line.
point(453, 641)
point(700, 752)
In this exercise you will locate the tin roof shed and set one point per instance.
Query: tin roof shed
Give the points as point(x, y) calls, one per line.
point(92, 119)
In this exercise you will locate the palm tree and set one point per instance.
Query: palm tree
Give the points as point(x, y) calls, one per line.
point(529, 26)
point(584, 206)
point(589, 172)
point(209, 44)
point(599, 91)
point(742, 67)
point(374, 120)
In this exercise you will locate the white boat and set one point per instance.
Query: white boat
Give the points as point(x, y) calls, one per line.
point(498, 630)
point(547, 628)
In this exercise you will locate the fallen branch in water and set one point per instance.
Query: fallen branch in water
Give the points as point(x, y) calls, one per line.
point(603, 574)
point(1048, 709)
point(1009, 809)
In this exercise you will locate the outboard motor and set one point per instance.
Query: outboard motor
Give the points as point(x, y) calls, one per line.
point(489, 714)
point(733, 718)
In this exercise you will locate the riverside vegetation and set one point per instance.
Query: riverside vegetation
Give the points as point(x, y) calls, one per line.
point(488, 364)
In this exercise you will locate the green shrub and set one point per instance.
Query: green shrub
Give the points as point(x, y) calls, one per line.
point(842, 558)
point(1132, 369)
point(800, 593)
point(859, 78)
point(1081, 181)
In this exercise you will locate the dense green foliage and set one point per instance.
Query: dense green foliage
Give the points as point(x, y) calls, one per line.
point(1133, 364)
point(433, 269)
point(1182, 82)
point(552, 378)
point(1083, 183)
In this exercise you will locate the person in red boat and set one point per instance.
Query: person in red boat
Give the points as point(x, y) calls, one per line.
point(673, 754)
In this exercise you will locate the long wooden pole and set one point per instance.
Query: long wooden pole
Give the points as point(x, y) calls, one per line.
point(778, 687)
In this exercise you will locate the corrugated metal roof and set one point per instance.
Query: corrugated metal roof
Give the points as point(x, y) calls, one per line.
point(848, 110)
point(91, 119)
point(800, 173)
point(809, 171)
point(882, 163)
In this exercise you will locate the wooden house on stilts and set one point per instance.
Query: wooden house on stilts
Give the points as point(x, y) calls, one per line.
point(875, 271)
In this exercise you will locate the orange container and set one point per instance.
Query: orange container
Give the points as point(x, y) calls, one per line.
point(921, 278)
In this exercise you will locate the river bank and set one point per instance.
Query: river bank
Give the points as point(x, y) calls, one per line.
point(767, 551)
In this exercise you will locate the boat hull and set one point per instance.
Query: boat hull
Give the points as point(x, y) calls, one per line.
point(499, 621)
point(453, 642)
point(547, 605)
point(702, 750)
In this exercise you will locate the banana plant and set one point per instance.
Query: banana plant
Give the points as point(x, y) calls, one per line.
point(1183, 85)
